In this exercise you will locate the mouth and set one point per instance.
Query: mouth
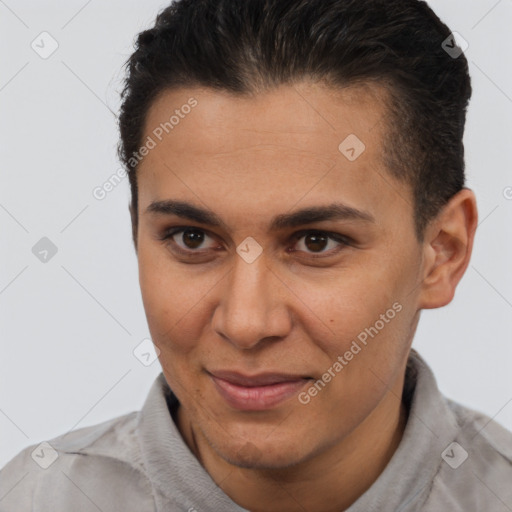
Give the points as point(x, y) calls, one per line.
point(258, 392)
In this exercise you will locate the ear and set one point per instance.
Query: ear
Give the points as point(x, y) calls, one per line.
point(448, 244)
point(133, 216)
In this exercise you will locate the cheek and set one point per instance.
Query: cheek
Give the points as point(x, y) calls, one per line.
point(363, 356)
point(346, 305)
point(163, 293)
point(365, 313)
point(175, 299)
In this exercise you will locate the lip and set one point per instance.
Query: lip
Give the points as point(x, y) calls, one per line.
point(257, 392)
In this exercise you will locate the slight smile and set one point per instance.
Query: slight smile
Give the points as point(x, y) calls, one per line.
point(259, 392)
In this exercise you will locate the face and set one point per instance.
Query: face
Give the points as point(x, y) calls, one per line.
point(238, 280)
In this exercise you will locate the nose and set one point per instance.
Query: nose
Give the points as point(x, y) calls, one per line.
point(252, 307)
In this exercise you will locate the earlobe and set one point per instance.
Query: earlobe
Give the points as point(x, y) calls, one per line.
point(447, 249)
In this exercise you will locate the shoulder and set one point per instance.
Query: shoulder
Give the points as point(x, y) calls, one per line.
point(98, 460)
point(483, 432)
point(475, 472)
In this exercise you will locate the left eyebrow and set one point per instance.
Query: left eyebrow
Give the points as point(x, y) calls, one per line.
point(334, 211)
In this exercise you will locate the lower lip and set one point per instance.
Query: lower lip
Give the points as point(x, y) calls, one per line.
point(257, 398)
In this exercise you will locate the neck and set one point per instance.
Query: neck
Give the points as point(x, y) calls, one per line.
point(327, 482)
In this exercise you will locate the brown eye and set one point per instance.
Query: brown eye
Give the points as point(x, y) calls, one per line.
point(187, 239)
point(316, 241)
point(320, 242)
point(192, 238)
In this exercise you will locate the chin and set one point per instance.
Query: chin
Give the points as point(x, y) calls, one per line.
point(261, 453)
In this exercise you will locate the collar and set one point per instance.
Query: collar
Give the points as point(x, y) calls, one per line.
point(179, 479)
point(431, 427)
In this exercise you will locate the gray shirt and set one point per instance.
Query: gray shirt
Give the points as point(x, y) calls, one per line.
point(451, 458)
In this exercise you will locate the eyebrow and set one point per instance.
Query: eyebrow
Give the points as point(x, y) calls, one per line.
point(334, 211)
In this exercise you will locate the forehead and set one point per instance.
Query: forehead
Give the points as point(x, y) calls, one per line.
point(296, 141)
point(313, 113)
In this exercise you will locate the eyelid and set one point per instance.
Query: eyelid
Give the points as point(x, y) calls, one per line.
point(169, 233)
point(344, 241)
point(331, 234)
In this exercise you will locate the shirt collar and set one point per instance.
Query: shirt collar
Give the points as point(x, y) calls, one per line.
point(179, 478)
point(431, 427)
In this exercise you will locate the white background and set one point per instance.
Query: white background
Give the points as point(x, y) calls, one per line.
point(69, 326)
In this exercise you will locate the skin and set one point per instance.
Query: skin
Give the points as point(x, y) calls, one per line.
point(248, 159)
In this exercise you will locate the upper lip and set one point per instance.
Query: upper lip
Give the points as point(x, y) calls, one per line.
point(261, 379)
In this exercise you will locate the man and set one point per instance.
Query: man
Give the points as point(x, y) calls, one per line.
point(297, 179)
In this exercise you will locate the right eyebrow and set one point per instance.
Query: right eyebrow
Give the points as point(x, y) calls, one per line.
point(334, 211)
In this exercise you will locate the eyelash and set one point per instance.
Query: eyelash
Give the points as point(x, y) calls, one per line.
point(344, 241)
